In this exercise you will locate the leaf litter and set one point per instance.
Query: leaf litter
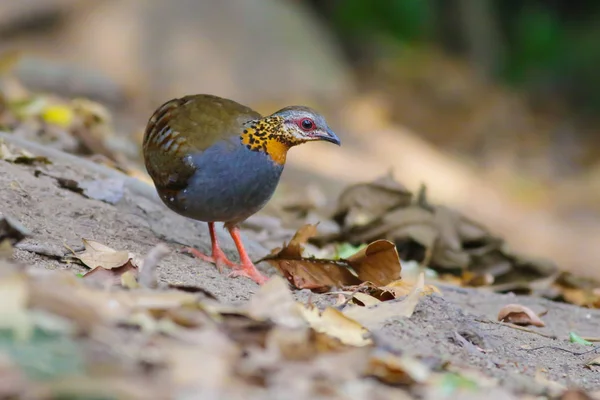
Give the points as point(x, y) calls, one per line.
point(185, 345)
point(449, 246)
point(376, 262)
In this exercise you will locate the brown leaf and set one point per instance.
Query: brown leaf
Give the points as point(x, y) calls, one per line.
point(364, 299)
point(309, 273)
point(295, 247)
point(377, 263)
point(317, 275)
point(519, 315)
point(401, 288)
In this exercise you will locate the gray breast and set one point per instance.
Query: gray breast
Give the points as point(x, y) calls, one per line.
point(230, 183)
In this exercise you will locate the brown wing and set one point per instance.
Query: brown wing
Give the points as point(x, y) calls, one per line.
point(188, 125)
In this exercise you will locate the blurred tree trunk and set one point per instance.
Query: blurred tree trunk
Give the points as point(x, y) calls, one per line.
point(481, 35)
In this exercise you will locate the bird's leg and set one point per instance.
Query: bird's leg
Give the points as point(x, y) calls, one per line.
point(245, 267)
point(218, 256)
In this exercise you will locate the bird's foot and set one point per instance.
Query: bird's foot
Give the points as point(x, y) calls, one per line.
point(248, 270)
point(218, 258)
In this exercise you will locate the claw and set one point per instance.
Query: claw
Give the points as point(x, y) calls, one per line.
point(218, 258)
point(249, 272)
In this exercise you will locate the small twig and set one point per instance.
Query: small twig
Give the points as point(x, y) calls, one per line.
point(565, 350)
point(345, 303)
point(147, 276)
point(517, 327)
point(591, 338)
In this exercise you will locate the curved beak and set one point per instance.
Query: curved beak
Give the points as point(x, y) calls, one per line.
point(328, 136)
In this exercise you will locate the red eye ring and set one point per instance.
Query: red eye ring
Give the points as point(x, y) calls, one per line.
point(306, 124)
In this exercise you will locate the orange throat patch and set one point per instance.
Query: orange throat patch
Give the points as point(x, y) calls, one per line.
point(267, 135)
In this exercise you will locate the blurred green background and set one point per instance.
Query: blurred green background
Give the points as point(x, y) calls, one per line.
point(543, 47)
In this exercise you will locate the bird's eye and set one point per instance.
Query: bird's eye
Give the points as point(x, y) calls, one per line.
point(307, 124)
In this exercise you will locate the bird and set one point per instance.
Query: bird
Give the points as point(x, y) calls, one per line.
point(213, 160)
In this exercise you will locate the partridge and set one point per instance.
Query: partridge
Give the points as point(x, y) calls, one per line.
point(215, 160)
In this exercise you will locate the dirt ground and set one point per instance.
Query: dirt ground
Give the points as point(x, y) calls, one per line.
point(56, 217)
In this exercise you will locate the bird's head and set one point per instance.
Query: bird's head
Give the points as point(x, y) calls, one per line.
point(302, 124)
point(288, 127)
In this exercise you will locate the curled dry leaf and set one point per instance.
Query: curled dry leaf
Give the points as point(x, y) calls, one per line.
point(401, 288)
point(309, 273)
point(374, 317)
point(107, 264)
point(335, 324)
point(364, 299)
point(519, 315)
point(378, 263)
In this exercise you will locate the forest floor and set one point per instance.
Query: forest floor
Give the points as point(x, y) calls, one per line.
point(451, 345)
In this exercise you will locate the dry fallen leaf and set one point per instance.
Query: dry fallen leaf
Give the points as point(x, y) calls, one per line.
point(401, 288)
point(377, 263)
point(519, 315)
point(335, 324)
point(97, 255)
point(309, 273)
point(374, 317)
point(433, 235)
point(364, 299)
point(362, 203)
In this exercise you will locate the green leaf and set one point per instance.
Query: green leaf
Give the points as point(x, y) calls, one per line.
point(452, 382)
point(575, 338)
point(345, 250)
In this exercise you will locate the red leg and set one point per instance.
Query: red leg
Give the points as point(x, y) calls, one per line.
point(218, 256)
point(246, 267)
